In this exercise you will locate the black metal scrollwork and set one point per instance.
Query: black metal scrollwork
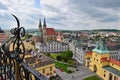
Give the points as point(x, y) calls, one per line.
point(18, 45)
point(7, 57)
point(12, 66)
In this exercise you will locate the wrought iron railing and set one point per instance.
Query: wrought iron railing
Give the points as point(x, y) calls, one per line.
point(12, 66)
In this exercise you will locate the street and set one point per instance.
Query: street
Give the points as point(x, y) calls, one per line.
point(77, 75)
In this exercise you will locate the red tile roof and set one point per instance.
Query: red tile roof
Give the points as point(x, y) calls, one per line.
point(89, 52)
point(50, 31)
point(104, 59)
point(115, 62)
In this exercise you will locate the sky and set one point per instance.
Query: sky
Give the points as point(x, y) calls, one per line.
point(61, 14)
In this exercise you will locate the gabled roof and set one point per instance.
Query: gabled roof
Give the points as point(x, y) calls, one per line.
point(50, 31)
point(115, 62)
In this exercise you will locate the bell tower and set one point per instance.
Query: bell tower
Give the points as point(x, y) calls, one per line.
point(41, 29)
point(44, 30)
point(40, 25)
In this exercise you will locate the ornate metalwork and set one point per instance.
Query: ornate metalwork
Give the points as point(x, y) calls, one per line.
point(12, 66)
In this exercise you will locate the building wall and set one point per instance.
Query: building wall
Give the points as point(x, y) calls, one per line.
point(96, 63)
point(79, 55)
point(114, 66)
point(47, 69)
point(115, 54)
point(52, 47)
point(3, 37)
point(95, 60)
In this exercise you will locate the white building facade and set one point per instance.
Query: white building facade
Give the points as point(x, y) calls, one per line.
point(53, 46)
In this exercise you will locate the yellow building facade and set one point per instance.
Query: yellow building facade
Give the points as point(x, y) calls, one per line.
point(100, 62)
point(39, 62)
point(45, 66)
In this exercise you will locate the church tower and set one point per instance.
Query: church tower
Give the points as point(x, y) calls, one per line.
point(41, 30)
point(40, 25)
point(44, 24)
point(44, 30)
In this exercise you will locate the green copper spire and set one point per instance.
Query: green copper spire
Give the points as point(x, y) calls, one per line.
point(44, 24)
point(101, 47)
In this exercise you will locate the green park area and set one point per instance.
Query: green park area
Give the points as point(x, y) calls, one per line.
point(92, 78)
point(62, 60)
point(62, 67)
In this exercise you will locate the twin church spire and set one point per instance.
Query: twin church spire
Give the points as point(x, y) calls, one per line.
point(44, 24)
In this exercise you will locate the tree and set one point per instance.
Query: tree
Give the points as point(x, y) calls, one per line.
point(67, 55)
point(59, 58)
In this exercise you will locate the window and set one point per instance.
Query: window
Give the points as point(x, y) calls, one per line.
point(43, 70)
point(104, 75)
point(51, 68)
point(112, 64)
point(51, 73)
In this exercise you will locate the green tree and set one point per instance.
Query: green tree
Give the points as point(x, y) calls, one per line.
point(67, 55)
point(59, 58)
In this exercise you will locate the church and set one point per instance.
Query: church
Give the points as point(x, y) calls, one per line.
point(44, 34)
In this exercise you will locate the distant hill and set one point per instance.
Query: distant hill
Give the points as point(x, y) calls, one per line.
point(106, 30)
point(60, 30)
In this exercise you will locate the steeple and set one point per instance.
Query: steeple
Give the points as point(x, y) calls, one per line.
point(101, 47)
point(40, 25)
point(44, 24)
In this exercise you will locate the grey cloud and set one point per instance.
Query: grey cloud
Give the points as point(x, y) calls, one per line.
point(6, 17)
point(51, 8)
point(91, 8)
point(97, 3)
point(56, 21)
point(94, 13)
point(2, 6)
point(110, 19)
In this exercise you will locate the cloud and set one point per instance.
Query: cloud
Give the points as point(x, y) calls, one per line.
point(61, 14)
point(2, 6)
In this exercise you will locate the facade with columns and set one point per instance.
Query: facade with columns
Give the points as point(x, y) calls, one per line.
point(101, 63)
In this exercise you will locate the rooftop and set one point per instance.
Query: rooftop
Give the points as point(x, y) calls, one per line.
point(104, 59)
point(89, 52)
point(38, 60)
point(112, 70)
point(115, 62)
point(101, 47)
point(50, 31)
point(37, 34)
